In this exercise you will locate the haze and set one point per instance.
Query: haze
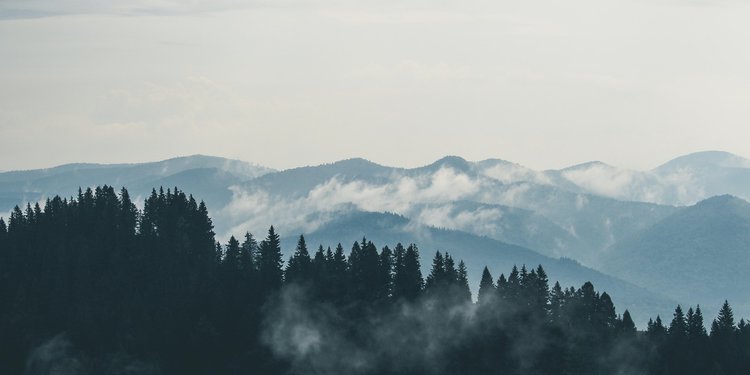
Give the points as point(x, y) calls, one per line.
point(286, 83)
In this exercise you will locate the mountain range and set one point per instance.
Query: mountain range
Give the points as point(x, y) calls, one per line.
point(675, 234)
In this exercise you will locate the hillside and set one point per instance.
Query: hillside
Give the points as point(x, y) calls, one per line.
point(701, 254)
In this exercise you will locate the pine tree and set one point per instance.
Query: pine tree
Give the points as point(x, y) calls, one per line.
point(724, 341)
point(337, 267)
point(513, 289)
point(462, 281)
point(695, 326)
point(605, 312)
point(249, 253)
point(385, 274)
point(270, 271)
point(231, 261)
point(723, 325)
point(451, 274)
point(408, 282)
point(557, 299)
point(364, 265)
point(298, 269)
point(437, 273)
point(486, 288)
point(3, 235)
point(540, 292)
point(320, 273)
point(678, 328)
point(627, 326)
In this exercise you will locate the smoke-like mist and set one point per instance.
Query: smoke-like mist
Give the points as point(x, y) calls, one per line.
point(59, 356)
point(421, 336)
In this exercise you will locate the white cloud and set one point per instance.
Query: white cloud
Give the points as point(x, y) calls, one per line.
point(251, 210)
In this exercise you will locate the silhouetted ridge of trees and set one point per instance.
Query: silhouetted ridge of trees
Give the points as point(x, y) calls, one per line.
point(92, 285)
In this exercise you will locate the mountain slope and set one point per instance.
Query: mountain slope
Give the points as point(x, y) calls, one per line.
point(452, 193)
point(700, 254)
point(476, 251)
point(18, 187)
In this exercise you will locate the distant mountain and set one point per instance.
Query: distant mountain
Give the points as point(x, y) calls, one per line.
point(451, 193)
point(681, 181)
point(700, 254)
point(624, 222)
point(210, 176)
point(477, 251)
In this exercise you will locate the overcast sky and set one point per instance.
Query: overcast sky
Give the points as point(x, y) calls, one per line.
point(283, 83)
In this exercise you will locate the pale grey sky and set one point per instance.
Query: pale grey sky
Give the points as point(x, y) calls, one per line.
point(283, 83)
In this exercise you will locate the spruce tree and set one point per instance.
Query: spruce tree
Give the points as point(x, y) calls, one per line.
point(724, 340)
point(557, 299)
point(320, 274)
point(627, 326)
point(486, 292)
point(437, 273)
point(270, 271)
point(462, 281)
point(695, 325)
point(385, 274)
point(231, 261)
point(678, 328)
point(408, 282)
point(451, 274)
point(723, 325)
point(298, 269)
point(249, 253)
point(337, 268)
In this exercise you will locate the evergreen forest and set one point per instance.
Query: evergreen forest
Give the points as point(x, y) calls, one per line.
point(93, 285)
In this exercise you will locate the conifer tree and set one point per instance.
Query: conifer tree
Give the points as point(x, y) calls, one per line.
point(540, 292)
point(724, 341)
point(3, 235)
point(437, 272)
point(298, 269)
point(451, 274)
point(723, 325)
point(486, 288)
point(627, 326)
point(337, 267)
point(408, 282)
point(385, 274)
point(249, 253)
point(695, 326)
point(678, 328)
point(502, 288)
point(462, 281)
point(513, 288)
point(605, 312)
point(270, 273)
point(557, 299)
point(231, 261)
point(320, 273)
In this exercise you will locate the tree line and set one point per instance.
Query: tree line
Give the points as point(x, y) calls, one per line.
point(92, 284)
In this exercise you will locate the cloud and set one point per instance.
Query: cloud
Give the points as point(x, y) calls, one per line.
point(254, 208)
point(482, 220)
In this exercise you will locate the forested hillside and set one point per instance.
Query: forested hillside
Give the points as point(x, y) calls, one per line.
point(93, 285)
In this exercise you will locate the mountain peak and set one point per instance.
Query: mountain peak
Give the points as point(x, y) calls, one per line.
point(723, 201)
point(705, 160)
point(451, 161)
point(587, 165)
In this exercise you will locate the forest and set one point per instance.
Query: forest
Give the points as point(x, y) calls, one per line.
point(93, 285)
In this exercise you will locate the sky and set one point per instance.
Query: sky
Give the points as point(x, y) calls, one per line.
point(285, 83)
